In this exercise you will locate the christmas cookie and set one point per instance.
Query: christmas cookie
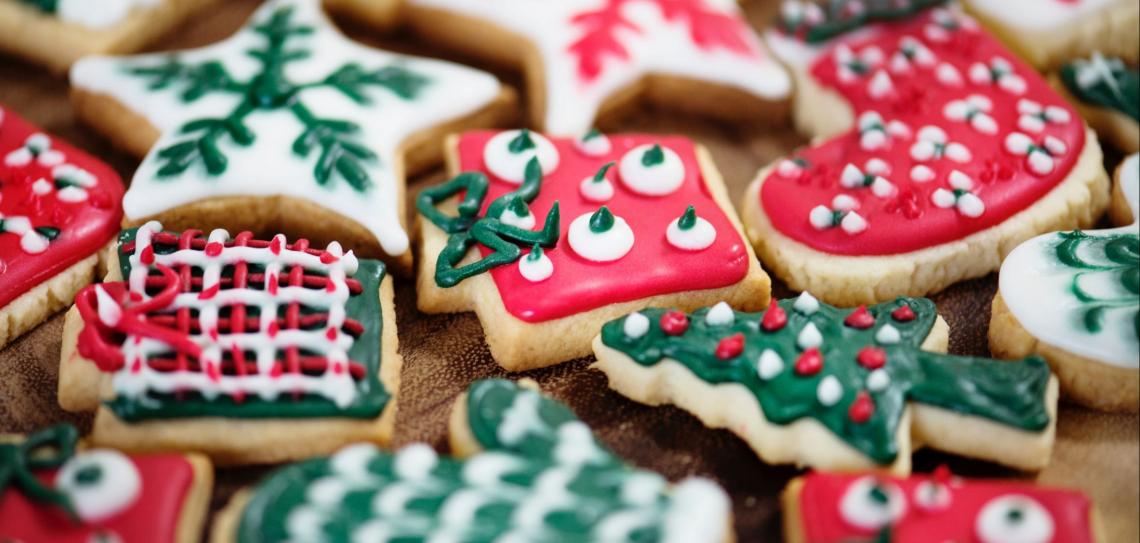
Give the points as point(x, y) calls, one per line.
point(59, 210)
point(836, 389)
point(548, 238)
point(842, 508)
point(586, 61)
point(51, 489)
point(527, 470)
point(1048, 32)
point(56, 33)
point(938, 152)
point(248, 350)
point(1106, 92)
point(285, 127)
point(1074, 299)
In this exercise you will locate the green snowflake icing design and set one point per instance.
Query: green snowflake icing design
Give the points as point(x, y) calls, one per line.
point(338, 140)
point(1101, 261)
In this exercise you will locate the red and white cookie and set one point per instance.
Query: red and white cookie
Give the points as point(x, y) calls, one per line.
point(940, 152)
point(555, 236)
point(59, 208)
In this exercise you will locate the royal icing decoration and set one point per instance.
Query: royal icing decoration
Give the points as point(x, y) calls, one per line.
point(1104, 82)
point(968, 134)
point(1080, 290)
point(94, 15)
point(632, 246)
point(1037, 14)
point(192, 315)
point(50, 492)
point(852, 370)
point(57, 206)
point(287, 106)
point(590, 49)
point(541, 476)
point(834, 508)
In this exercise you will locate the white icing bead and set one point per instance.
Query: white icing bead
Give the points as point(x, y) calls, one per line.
point(600, 246)
point(32, 242)
point(697, 238)
point(948, 75)
point(509, 217)
point(352, 461)
point(1040, 163)
point(851, 177)
point(960, 180)
point(877, 166)
point(536, 270)
point(100, 483)
point(720, 314)
point(998, 522)
point(42, 187)
point(932, 496)
point(970, 205)
point(844, 202)
point(788, 168)
point(71, 195)
point(809, 337)
point(860, 510)
point(635, 325)
point(1055, 145)
point(770, 365)
point(98, 15)
point(957, 152)
point(1017, 143)
point(17, 225)
point(653, 180)
point(820, 217)
point(598, 192)
point(943, 198)
point(853, 223)
point(878, 380)
point(882, 188)
point(921, 174)
point(18, 157)
point(806, 304)
point(829, 392)
point(888, 335)
point(880, 85)
point(594, 145)
point(511, 167)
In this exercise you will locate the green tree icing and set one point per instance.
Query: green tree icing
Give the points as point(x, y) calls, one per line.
point(586, 491)
point(842, 16)
point(468, 227)
point(47, 449)
point(1104, 82)
point(338, 141)
point(1011, 393)
point(1107, 275)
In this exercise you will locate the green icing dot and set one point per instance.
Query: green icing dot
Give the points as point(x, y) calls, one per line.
point(521, 143)
point(89, 475)
point(879, 495)
point(654, 156)
point(688, 219)
point(1015, 515)
point(602, 220)
point(535, 253)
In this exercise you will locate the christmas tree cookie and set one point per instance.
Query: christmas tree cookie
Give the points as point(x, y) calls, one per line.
point(1106, 92)
point(248, 350)
point(836, 389)
point(527, 470)
point(937, 151)
point(1047, 33)
point(285, 127)
point(548, 238)
point(587, 61)
point(53, 489)
point(843, 508)
point(59, 211)
point(1074, 299)
point(56, 33)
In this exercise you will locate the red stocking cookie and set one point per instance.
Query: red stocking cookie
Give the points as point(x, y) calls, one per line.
point(59, 208)
point(554, 236)
point(943, 151)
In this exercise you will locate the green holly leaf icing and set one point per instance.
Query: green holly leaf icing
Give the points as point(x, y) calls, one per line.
point(542, 477)
point(1010, 393)
point(46, 449)
point(1104, 82)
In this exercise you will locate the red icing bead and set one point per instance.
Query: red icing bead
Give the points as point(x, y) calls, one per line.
point(943, 474)
point(147, 255)
point(674, 323)
point(809, 362)
point(872, 358)
point(903, 314)
point(214, 249)
point(275, 246)
point(730, 347)
point(331, 334)
point(774, 318)
point(860, 318)
point(328, 258)
point(862, 408)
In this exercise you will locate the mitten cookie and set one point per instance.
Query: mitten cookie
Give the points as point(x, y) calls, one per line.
point(846, 508)
point(1074, 299)
point(941, 153)
point(52, 490)
point(530, 471)
point(835, 389)
point(1048, 32)
point(286, 127)
point(1106, 92)
point(248, 350)
point(548, 238)
point(59, 209)
point(588, 60)
point(56, 33)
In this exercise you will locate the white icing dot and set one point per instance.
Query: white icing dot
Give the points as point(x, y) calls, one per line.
point(880, 85)
point(809, 337)
point(17, 225)
point(596, 191)
point(820, 217)
point(853, 223)
point(1040, 163)
point(943, 198)
point(604, 246)
point(509, 217)
point(948, 75)
point(888, 335)
point(1014, 519)
point(861, 509)
point(71, 195)
point(510, 166)
point(114, 488)
point(878, 380)
point(655, 179)
point(721, 314)
point(42, 187)
point(594, 144)
point(829, 391)
point(635, 325)
point(415, 462)
point(698, 237)
point(770, 365)
point(970, 205)
point(806, 304)
point(932, 496)
point(33, 242)
point(536, 270)
point(844, 202)
point(921, 174)
point(882, 188)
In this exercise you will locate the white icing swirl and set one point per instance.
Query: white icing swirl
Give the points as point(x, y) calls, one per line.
point(511, 166)
point(604, 246)
point(658, 179)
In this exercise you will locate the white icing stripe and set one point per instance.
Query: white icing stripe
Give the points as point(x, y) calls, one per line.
point(268, 166)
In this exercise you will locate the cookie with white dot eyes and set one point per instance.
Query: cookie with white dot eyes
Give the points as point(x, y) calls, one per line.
point(826, 507)
point(811, 384)
point(935, 151)
point(54, 489)
point(546, 238)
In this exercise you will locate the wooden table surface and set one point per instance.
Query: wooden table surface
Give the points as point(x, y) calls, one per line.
point(1095, 452)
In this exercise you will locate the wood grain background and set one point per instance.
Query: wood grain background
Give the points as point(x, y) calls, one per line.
point(1095, 452)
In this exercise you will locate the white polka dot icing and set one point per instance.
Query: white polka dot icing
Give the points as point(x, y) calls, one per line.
point(517, 214)
point(536, 266)
point(829, 392)
point(652, 170)
point(100, 483)
point(690, 232)
point(720, 314)
point(600, 236)
point(809, 337)
point(597, 188)
point(769, 365)
point(871, 504)
point(635, 325)
point(1014, 519)
point(507, 154)
point(594, 144)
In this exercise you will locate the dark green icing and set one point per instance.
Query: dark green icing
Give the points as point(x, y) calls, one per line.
point(597, 483)
point(46, 6)
point(1113, 84)
point(46, 449)
point(842, 16)
point(602, 220)
point(338, 141)
point(1113, 257)
point(654, 156)
point(688, 219)
point(1011, 393)
point(468, 227)
point(371, 395)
